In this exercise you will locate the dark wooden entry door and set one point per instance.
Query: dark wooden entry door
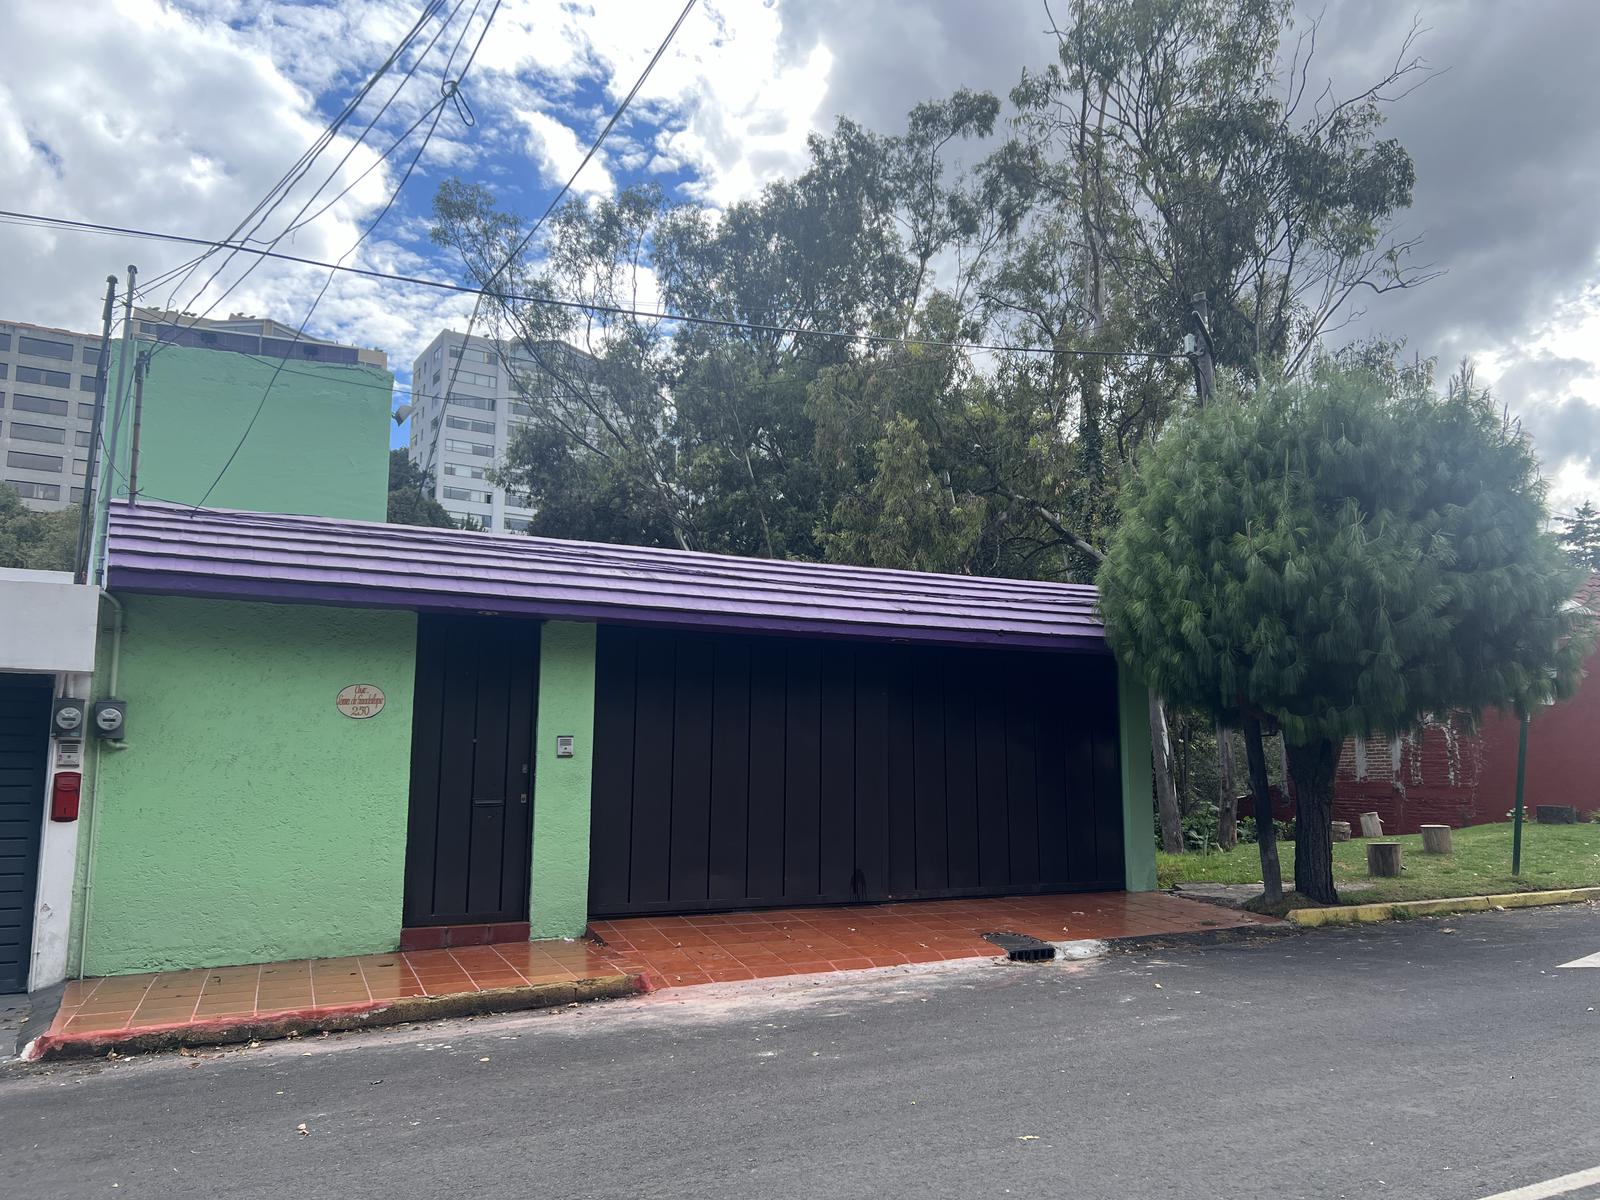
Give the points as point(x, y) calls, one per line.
point(471, 770)
point(24, 750)
point(735, 772)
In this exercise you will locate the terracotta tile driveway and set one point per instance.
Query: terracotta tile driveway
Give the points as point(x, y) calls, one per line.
point(715, 948)
point(664, 951)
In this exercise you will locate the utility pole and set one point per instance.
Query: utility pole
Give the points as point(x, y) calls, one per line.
point(140, 365)
point(1200, 350)
point(80, 557)
point(97, 541)
point(1516, 813)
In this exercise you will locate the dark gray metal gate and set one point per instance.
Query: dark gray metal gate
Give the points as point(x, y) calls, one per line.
point(735, 772)
point(24, 754)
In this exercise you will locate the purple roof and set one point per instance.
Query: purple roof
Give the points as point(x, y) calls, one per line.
point(171, 549)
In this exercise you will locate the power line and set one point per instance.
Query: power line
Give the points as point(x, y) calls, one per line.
point(582, 305)
point(432, 7)
point(594, 149)
point(297, 171)
point(450, 89)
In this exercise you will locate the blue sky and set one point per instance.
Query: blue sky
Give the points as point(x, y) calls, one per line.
point(177, 115)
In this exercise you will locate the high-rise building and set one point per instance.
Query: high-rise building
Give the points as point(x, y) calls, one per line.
point(196, 407)
point(46, 410)
point(460, 438)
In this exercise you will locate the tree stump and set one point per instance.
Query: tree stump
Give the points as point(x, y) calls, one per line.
point(1436, 839)
point(1371, 825)
point(1383, 858)
point(1341, 831)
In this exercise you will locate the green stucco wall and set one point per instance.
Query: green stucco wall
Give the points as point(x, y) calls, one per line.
point(319, 446)
point(247, 820)
point(559, 902)
point(1138, 784)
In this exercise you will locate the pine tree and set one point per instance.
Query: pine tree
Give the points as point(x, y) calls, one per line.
point(1581, 535)
point(1334, 560)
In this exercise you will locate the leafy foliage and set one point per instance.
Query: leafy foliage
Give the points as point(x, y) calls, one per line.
point(410, 495)
point(1338, 560)
point(36, 541)
point(1341, 561)
point(1581, 535)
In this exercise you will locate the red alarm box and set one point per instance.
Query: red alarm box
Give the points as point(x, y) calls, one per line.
point(64, 795)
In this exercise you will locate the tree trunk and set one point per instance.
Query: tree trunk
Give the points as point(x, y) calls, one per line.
point(1228, 790)
point(1266, 832)
point(1311, 767)
point(1166, 795)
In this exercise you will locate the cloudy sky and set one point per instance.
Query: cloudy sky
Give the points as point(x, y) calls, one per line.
point(180, 116)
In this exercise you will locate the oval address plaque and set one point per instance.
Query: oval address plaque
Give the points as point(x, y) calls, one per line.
point(360, 700)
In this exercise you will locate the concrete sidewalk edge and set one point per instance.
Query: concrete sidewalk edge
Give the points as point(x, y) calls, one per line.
point(1355, 914)
point(371, 1015)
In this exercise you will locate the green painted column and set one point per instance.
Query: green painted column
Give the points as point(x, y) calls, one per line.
point(559, 902)
point(1138, 784)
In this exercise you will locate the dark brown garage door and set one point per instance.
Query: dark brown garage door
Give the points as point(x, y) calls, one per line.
point(736, 772)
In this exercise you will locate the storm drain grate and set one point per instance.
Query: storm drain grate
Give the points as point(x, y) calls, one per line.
point(1019, 947)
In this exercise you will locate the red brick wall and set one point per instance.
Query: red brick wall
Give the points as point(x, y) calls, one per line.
point(1431, 777)
point(1446, 775)
point(1563, 752)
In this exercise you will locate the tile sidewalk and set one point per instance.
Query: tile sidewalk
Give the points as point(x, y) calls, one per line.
point(624, 957)
point(723, 947)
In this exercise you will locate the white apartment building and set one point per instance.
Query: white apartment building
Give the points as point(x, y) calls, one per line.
point(457, 440)
point(47, 381)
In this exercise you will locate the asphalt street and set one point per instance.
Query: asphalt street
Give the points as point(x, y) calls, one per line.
point(1448, 1057)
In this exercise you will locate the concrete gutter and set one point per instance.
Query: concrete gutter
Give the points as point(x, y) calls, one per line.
point(340, 1019)
point(1355, 914)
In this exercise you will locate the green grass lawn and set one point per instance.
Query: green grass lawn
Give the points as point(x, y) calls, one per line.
point(1553, 856)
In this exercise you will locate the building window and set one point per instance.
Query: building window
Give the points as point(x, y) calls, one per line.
point(476, 379)
point(5, 341)
point(29, 490)
point(41, 348)
point(463, 471)
point(48, 378)
point(456, 493)
point(470, 425)
point(476, 448)
point(38, 404)
point(80, 467)
point(33, 462)
point(484, 402)
point(5, 370)
point(81, 439)
point(86, 383)
point(77, 495)
point(520, 524)
point(91, 355)
point(85, 412)
point(38, 433)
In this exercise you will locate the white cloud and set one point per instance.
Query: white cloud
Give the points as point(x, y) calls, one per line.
point(179, 115)
point(558, 151)
point(739, 106)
